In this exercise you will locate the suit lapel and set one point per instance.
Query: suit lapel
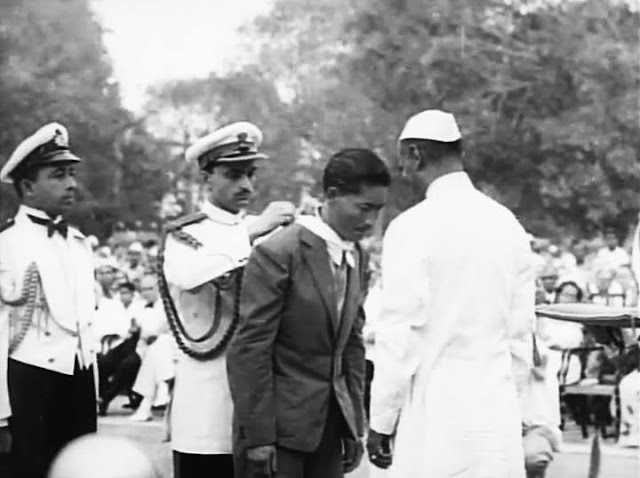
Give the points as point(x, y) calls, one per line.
point(317, 258)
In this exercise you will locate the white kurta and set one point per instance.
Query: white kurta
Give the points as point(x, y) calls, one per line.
point(202, 410)
point(453, 341)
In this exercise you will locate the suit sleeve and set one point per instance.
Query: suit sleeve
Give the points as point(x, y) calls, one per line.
point(354, 361)
point(522, 317)
point(188, 268)
point(400, 327)
point(249, 358)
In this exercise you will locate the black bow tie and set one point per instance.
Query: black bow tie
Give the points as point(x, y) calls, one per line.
point(148, 306)
point(52, 226)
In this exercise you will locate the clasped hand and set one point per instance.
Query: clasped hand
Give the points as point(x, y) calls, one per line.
point(379, 449)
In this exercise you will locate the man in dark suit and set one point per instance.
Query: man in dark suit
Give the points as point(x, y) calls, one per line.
point(296, 365)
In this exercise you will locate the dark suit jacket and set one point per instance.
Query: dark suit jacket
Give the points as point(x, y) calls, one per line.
point(292, 352)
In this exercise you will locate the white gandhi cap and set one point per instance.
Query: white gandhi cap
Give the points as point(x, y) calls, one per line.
point(434, 125)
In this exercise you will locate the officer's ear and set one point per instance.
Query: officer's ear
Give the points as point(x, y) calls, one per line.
point(332, 192)
point(26, 186)
point(205, 175)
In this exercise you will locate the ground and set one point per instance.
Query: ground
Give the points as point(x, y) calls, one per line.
point(573, 462)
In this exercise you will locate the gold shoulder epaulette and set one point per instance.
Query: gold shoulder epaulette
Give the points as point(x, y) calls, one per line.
point(185, 238)
point(185, 221)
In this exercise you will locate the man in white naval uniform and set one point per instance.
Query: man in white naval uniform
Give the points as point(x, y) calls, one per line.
point(47, 303)
point(203, 257)
point(453, 342)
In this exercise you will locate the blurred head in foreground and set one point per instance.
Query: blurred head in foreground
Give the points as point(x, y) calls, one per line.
point(101, 457)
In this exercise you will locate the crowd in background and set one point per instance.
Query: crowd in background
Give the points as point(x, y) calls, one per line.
point(598, 272)
point(136, 355)
point(137, 349)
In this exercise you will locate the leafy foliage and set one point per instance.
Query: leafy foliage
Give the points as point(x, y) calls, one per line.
point(53, 68)
point(546, 94)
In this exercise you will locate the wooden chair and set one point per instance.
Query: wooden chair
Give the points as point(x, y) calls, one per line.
point(582, 395)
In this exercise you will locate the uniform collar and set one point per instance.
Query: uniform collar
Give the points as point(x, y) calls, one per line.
point(448, 183)
point(32, 211)
point(336, 246)
point(220, 215)
point(25, 211)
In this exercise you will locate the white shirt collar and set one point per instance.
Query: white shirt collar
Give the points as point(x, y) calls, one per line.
point(32, 211)
point(449, 182)
point(336, 246)
point(25, 211)
point(220, 215)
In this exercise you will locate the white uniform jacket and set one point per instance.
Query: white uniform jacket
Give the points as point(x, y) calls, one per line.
point(202, 411)
point(61, 328)
point(453, 341)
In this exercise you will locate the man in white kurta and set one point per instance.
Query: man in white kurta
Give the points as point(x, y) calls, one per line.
point(453, 341)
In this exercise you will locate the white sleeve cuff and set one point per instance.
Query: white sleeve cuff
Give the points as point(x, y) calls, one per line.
point(4, 422)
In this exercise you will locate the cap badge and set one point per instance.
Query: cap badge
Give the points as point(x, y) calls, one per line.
point(243, 144)
point(59, 139)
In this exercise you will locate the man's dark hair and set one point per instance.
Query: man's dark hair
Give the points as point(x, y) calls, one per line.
point(349, 169)
point(436, 150)
point(570, 283)
point(127, 285)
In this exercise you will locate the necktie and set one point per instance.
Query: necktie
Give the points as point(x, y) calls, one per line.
point(52, 226)
point(341, 273)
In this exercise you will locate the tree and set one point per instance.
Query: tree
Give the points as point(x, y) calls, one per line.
point(551, 127)
point(59, 71)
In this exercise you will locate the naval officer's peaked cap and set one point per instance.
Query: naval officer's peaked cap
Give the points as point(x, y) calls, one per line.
point(46, 147)
point(433, 125)
point(232, 143)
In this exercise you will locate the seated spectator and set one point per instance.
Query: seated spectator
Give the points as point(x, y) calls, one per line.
point(602, 366)
point(548, 277)
point(127, 294)
point(119, 367)
point(155, 376)
point(561, 336)
point(156, 349)
point(152, 260)
point(134, 266)
point(561, 261)
point(105, 272)
point(111, 323)
point(612, 256)
point(579, 273)
point(625, 278)
point(606, 290)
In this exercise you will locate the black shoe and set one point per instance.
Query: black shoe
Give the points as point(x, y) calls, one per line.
point(134, 401)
